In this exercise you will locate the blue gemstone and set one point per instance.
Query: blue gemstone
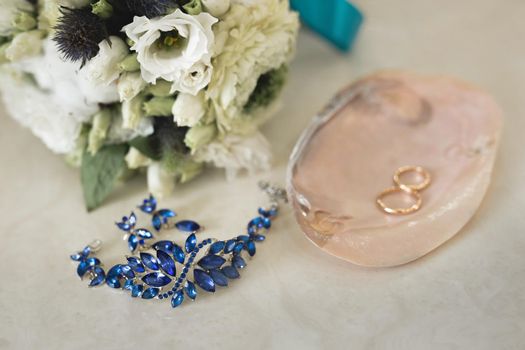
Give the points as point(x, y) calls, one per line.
point(166, 263)
point(183, 275)
point(230, 272)
point(185, 270)
point(133, 242)
point(251, 248)
point(128, 285)
point(136, 290)
point(150, 261)
point(156, 221)
point(238, 247)
point(188, 226)
point(149, 205)
point(76, 257)
point(144, 233)
point(161, 296)
point(267, 223)
point(93, 262)
point(99, 278)
point(244, 238)
point(211, 262)
point(115, 271)
point(156, 279)
point(191, 242)
point(177, 299)
point(264, 212)
point(228, 248)
point(238, 262)
point(191, 291)
point(165, 214)
point(178, 254)
point(166, 246)
point(82, 268)
point(135, 264)
point(203, 280)
point(259, 238)
point(113, 282)
point(127, 272)
point(219, 278)
point(170, 292)
point(150, 293)
point(257, 222)
point(200, 246)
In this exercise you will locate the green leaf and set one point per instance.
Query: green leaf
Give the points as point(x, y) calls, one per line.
point(148, 146)
point(99, 173)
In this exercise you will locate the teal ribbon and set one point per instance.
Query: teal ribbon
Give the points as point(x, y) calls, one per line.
point(336, 20)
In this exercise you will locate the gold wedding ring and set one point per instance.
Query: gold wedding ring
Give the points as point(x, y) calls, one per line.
point(411, 190)
point(399, 211)
point(412, 169)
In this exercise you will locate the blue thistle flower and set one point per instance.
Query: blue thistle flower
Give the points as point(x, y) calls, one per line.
point(78, 34)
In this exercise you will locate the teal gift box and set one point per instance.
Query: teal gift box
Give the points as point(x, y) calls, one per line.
point(337, 20)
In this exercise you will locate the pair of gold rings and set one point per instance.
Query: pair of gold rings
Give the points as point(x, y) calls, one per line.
point(409, 189)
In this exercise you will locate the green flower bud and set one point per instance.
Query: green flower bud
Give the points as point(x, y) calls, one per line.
point(102, 8)
point(130, 63)
point(199, 136)
point(24, 21)
point(161, 89)
point(194, 7)
point(189, 169)
point(99, 130)
point(132, 112)
point(159, 107)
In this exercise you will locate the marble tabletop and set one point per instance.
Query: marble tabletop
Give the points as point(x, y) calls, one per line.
point(468, 294)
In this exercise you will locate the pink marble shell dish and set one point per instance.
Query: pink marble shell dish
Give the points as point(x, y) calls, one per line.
point(350, 152)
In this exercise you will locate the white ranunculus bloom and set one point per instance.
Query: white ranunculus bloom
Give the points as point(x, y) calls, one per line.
point(188, 110)
point(130, 84)
point(9, 11)
point(194, 79)
point(161, 183)
point(216, 8)
point(236, 153)
point(157, 61)
point(103, 68)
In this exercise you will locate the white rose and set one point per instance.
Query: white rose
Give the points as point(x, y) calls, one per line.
point(103, 68)
point(130, 85)
point(236, 153)
point(188, 110)
point(194, 79)
point(167, 63)
point(160, 182)
point(216, 8)
point(8, 13)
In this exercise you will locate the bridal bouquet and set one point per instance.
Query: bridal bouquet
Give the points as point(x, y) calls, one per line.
point(162, 85)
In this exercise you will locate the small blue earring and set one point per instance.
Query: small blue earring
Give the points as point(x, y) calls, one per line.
point(136, 237)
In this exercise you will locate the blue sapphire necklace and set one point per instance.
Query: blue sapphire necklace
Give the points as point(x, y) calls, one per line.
point(165, 270)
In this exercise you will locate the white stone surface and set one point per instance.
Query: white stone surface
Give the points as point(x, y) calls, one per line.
point(469, 294)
